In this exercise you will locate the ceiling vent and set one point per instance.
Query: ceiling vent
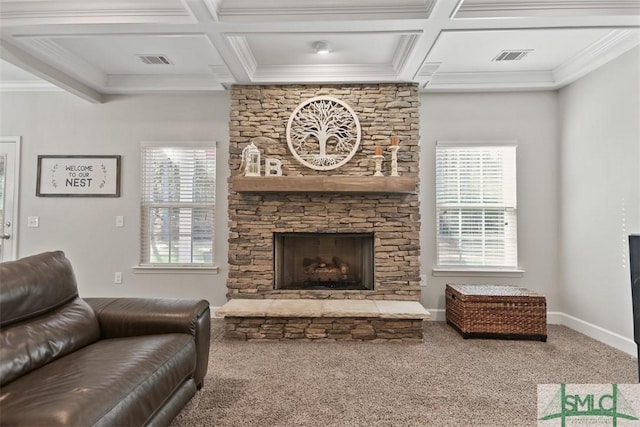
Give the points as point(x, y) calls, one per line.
point(511, 55)
point(154, 59)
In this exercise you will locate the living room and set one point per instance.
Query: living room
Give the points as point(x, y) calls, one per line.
point(578, 187)
point(87, 232)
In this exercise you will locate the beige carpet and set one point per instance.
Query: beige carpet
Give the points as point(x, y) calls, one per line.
point(445, 381)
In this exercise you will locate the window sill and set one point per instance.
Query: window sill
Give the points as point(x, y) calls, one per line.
point(182, 269)
point(476, 272)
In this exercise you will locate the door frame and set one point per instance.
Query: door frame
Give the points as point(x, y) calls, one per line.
point(13, 246)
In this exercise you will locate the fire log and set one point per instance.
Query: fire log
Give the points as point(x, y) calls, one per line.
point(311, 264)
point(343, 266)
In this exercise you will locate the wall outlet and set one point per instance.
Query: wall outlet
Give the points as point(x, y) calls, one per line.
point(119, 221)
point(117, 277)
point(423, 280)
point(33, 221)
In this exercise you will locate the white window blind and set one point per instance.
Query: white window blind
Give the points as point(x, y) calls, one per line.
point(476, 205)
point(178, 204)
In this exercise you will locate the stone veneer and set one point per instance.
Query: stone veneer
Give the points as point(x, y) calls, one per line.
point(259, 114)
point(323, 328)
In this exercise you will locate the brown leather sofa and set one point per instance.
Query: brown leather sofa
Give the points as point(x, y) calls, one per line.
point(67, 361)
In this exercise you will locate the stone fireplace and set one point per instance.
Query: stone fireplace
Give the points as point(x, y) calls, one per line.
point(323, 261)
point(341, 209)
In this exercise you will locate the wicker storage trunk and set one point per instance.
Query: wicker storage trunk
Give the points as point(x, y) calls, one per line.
point(496, 311)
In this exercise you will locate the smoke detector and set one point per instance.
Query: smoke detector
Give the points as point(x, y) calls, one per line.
point(511, 55)
point(154, 59)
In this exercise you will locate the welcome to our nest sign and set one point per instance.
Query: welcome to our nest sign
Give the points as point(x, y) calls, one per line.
point(78, 176)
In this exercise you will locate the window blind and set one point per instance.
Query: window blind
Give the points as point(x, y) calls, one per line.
point(476, 205)
point(178, 204)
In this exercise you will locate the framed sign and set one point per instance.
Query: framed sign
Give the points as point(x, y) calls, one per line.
point(78, 176)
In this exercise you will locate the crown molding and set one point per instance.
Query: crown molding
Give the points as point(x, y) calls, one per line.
point(427, 70)
point(522, 9)
point(161, 83)
point(597, 54)
point(426, 73)
point(242, 50)
point(222, 74)
point(28, 86)
point(266, 10)
point(93, 12)
point(213, 6)
point(327, 73)
point(403, 51)
point(490, 81)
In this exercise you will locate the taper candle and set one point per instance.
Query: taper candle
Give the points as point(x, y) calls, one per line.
point(378, 151)
point(394, 140)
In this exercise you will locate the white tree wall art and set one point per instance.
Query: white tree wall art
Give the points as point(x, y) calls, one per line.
point(323, 133)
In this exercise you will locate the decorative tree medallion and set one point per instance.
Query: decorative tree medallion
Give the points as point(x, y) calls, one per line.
point(323, 133)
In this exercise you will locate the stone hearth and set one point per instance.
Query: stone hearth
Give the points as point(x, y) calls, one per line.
point(339, 320)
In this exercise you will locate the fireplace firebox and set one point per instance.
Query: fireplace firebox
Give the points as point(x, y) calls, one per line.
point(323, 261)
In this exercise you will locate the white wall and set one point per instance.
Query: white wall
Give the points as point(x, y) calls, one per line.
point(60, 123)
point(531, 119)
point(600, 193)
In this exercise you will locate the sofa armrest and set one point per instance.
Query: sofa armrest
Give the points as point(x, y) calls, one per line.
point(123, 317)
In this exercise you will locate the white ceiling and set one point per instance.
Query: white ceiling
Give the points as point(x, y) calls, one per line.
point(91, 47)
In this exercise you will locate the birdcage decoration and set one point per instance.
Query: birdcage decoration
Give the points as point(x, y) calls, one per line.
point(251, 160)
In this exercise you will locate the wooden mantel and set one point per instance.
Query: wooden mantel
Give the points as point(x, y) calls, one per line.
point(324, 184)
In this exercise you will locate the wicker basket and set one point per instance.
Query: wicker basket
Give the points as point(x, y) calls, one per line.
point(496, 311)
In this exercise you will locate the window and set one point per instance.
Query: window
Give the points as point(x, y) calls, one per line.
point(178, 204)
point(476, 205)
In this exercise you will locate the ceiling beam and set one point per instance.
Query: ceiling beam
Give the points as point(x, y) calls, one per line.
point(35, 66)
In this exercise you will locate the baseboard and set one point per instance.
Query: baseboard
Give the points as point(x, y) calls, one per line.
point(593, 331)
point(612, 339)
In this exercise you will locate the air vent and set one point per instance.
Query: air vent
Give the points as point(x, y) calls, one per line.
point(511, 55)
point(154, 59)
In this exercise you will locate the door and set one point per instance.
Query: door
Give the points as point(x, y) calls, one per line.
point(9, 177)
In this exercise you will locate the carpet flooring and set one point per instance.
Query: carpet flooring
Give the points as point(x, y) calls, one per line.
point(445, 381)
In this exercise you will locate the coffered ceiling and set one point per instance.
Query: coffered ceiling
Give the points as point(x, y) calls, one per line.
point(97, 47)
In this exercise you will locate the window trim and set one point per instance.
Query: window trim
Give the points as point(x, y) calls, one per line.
point(153, 268)
point(455, 271)
point(146, 268)
point(448, 270)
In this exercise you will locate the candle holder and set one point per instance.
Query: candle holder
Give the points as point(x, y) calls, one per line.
point(378, 159)
point(394, 160)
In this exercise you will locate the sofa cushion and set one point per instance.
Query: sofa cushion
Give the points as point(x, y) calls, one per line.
point(34, 285)
point(119, 381)
point(32, 343)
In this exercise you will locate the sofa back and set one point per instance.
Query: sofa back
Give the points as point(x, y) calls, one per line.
point(41, 316)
